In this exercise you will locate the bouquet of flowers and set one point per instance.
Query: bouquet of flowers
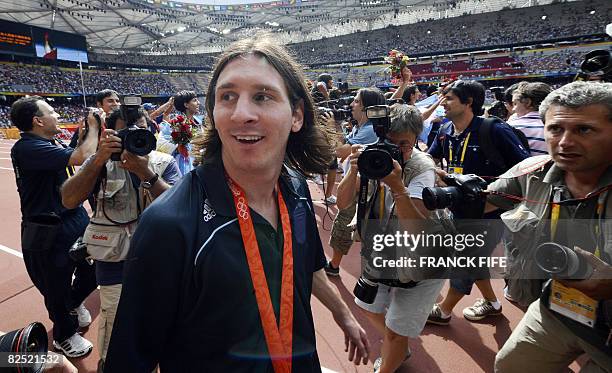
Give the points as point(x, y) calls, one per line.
point(398, 61)
point(183, 130)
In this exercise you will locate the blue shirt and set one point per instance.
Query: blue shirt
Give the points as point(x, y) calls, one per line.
point(362, 135)
point(475, 161)
point(41, 167)
point(187, 274)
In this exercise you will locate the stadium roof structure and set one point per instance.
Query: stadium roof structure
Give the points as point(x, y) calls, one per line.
point(200, 26)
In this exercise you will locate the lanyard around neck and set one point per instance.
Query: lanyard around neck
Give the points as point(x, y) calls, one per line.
point(465, 145)
point(556, 209)
point(279, 336)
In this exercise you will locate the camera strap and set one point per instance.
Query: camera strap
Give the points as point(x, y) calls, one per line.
point(279, 336)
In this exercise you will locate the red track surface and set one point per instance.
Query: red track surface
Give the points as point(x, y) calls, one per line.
point(462, 346)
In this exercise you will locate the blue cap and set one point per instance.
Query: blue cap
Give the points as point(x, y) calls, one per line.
point(149, 106)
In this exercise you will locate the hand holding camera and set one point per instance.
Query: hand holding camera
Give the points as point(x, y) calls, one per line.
point(109, 144)
point(394, 180)
point(136, 164)
point(95, 118)
point(356, 151)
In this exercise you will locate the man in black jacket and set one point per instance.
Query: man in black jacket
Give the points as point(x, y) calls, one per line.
point(234, 246)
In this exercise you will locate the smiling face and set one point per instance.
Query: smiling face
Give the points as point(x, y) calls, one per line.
point(580, 139)
point(109, 103)
point(253, 116)
point(453, 107)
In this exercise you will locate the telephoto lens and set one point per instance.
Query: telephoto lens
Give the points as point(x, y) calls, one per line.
point(561, 261)
point(365, 290)
point(29, 340)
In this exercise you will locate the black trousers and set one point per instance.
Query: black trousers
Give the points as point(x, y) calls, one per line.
point(51, 272)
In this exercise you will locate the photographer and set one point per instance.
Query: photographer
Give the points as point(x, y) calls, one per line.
point(48, 229)
point(565, 197)
point(362, 133)
point(399, 312)
point(123, 189)
point(107, 100)
point(320, 91)
point(461, 145)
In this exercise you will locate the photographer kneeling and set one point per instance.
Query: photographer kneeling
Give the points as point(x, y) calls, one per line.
point(123, 184)
point(397, 201)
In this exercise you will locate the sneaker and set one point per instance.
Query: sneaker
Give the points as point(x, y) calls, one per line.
point(508, 296)
point(331, 200)
point(378, 362)
point(83, 315)
point(331, 271)
point(481, 309)
point(75, 346)
point(435, 316)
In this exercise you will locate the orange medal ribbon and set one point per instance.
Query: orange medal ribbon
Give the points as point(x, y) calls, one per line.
point(279, 337)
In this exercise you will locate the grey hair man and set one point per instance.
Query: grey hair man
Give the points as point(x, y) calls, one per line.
point(578, 131)
point(400, 308)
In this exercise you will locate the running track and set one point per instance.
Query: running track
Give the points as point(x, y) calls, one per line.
point(461, 347)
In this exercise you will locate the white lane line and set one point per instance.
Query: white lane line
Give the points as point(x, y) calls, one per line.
point(325, 370)
point(8, 159)
point(11, 251)
point(6, 168)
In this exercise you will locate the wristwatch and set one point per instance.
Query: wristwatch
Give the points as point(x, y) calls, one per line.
point(149, 183)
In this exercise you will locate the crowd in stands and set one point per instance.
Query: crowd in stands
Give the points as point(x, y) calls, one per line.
point(531, 24)
point(474, 31)
point(29, 78)
point(182, 61)
point(26, 78)
point(4, 116)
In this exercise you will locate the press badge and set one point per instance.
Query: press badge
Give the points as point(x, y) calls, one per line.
point(455, 170)
point(572, 303)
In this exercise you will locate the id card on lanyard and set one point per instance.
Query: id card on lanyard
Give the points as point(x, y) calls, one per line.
point(564, 300)
point(456, 166)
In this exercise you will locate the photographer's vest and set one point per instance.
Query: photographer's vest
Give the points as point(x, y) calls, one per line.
point(528, 223)
point(118, 208)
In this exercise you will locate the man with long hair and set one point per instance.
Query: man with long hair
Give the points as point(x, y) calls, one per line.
point(220, 280)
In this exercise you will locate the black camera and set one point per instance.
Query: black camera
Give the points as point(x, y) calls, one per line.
point(376, 160)
point(462, 191)
point(498, 92)
point(98, 119)
point(29, 340)
point(134, 139)
point(340, 108)
point(561, 261)
point(78, 251)
point(596, 65)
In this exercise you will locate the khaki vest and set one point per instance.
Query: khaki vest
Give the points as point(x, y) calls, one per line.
point(119, 206)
